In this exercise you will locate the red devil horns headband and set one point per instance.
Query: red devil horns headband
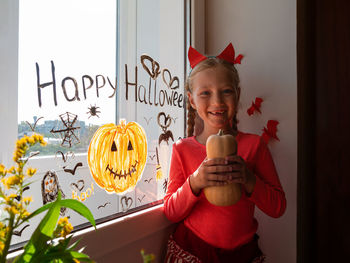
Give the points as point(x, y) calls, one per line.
point(228, 54)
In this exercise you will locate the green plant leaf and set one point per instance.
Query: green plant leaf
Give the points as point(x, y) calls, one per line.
point(60, 245)
point(37, 249)
point(38, 211)
point(80, 208)
point(64, 256)
point(74, 245)
point(80, 256)
point(65, 242)
point(37, 245)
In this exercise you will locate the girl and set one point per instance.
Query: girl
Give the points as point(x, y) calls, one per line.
point(209, 233)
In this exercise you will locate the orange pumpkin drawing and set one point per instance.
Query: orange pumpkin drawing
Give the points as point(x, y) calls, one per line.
point(117, 156)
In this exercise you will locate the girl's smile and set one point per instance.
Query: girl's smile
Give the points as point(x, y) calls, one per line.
point(213, 96)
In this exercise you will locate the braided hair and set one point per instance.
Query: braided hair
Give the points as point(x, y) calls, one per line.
point(234, 79)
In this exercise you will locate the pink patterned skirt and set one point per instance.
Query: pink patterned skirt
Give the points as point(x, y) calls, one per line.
point(186, 247)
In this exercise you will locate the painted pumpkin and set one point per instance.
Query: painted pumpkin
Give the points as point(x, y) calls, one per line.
point(117, 156)
point(220, 146)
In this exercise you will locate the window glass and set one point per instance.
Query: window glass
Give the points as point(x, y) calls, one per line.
point(66, 70)
point(87, 63)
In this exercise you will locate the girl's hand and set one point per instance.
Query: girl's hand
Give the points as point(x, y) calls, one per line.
point(211, 172)
point(240, 173)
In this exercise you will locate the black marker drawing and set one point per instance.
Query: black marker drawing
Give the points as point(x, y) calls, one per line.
point(169, 80)
point(126, 203)
point(103, 206)
point(93, 111)
point(167, 134)
point(152, 156)
point(148, 180)
point(32, 127)
point(19, 233)
point(50, 188)
point(63, 85)
point(18, 197)
point(147, 121)
point(154, 71)
point(67, 130)
point(140, 200)
point(43, 85)
point(67, 158)
point(165, 185)
point(152, 96)
point(72, 171)
point(31, 154)
point(79, 185)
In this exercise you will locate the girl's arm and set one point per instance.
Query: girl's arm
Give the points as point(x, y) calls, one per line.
point(268, 193)
point(179, 199)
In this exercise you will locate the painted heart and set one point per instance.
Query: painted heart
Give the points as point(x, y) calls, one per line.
point(164, 120)
point(126, 203)
point(79, 185)
point(150, 65)
point(169, 80)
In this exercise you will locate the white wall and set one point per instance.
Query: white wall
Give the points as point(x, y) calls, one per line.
point(265, 33)
point(8, 77)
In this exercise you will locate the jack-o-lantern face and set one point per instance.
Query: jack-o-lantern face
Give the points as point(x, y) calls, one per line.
point(117, 156)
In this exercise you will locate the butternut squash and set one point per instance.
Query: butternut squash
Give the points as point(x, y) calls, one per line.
point(220, 146)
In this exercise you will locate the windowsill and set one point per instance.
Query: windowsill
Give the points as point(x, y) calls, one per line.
point(120, 232)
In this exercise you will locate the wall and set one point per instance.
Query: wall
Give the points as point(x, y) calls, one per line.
point(265, 33)
point(8, 76)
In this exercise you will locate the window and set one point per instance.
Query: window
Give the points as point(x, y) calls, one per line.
point(83, 64)
point(67, 65)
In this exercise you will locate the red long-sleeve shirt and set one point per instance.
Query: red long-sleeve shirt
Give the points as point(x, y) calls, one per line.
point(231, 226)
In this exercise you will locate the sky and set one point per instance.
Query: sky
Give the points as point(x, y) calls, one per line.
point(79, 36)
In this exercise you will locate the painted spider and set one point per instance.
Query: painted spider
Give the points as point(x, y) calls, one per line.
point(93, 110)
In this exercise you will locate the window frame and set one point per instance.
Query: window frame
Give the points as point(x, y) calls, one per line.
point(9, 113)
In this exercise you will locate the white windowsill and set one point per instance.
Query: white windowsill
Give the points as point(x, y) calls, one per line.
point(119, 232)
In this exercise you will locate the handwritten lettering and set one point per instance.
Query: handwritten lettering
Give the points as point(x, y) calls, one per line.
point(87, 82)
point(166, 95)
point(161, 97)
point(43, 85)
point(83, 195)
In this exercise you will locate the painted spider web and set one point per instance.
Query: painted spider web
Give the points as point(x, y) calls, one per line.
point(66, 129)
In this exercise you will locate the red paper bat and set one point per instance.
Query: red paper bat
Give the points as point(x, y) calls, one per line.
point(255, 106)
point(270, 131)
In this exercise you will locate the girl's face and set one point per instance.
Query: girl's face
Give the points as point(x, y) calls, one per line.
point(213, 96)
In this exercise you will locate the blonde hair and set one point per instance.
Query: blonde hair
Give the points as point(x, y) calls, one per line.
point(233, 77)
